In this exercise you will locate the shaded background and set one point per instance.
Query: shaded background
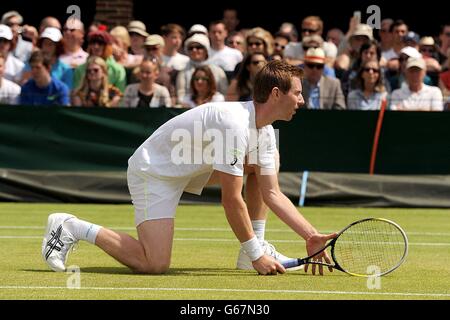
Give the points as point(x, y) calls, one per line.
point(424, 19)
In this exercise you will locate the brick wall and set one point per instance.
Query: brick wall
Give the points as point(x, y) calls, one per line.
point(114, 12)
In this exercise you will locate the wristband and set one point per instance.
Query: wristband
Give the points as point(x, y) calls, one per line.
point(252, 248)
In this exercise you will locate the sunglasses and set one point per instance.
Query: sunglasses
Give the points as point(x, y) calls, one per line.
point(306, 30)
point(191, 48)
point(93, 71)
point(374, 70)
point(257, 43)
point(314, 65)
point(447, 34)
point(152, 48)
point(279, 45)
point(426, 50)
point(201, 78)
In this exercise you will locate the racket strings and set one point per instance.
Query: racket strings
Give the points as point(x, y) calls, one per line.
point(370, 247)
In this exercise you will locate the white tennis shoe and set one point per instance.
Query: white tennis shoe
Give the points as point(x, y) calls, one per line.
point(244, 262)
point(57, 242)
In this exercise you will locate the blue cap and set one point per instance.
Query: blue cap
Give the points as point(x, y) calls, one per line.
point(411, 36)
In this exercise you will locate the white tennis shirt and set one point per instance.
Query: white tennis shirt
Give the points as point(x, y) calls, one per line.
point(215, 136)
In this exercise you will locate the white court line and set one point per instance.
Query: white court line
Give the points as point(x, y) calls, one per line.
point(429, 244)
point(402, 294)
point(443, 234)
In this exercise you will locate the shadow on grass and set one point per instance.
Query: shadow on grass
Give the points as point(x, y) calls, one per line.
point(192, 272)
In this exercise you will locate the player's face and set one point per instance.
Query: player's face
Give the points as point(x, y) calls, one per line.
point(292, 100)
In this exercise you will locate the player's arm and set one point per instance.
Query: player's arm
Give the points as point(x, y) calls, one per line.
point(288, 213)
point(239, 220)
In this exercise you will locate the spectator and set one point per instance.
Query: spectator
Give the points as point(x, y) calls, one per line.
point(43, 89)
point(230, 19)
point(236, 40)
point(396, 78)
point(316, 41)
point(197, 47)
point(319, 91)
point(138, 33)
point(398, 29)
point(429, 52)
point(221, 55)
point(100, 44)
point(241, 88)
point(147, 93)
point(203, 89)
point(444, 45)
point(369, 51)
point(9, 91)
point(50, 42)
point(415, 95)
point(281, 40)
point(257, 40)
point(362, 34)
point(386, 40)
point(371, 93)
point(289, 29)
point(21, 48)
point(13, 66)
point(121, 46)
point(173, 35)
point(95, 89)
point(49, 22)
point(73, 35)
point(311, 25)
point(335, 36)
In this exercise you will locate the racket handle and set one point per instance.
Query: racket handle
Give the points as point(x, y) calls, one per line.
point(291, 263)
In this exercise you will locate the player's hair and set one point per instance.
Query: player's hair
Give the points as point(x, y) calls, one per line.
point(274, 74)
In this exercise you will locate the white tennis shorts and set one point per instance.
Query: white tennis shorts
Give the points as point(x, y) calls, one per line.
point(157, 197)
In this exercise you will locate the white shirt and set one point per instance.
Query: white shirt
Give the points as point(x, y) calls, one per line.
point(389, 54)
point(13, 68)
point(227, 58)
point(294, 50)
point(75, 59)
point(429, 98)
point(9, 92)
point(182, 148)
point(177, 62)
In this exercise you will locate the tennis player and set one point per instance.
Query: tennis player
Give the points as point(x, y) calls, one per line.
point(215, 142)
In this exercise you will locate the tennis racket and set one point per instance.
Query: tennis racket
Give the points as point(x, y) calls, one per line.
point(368, 247)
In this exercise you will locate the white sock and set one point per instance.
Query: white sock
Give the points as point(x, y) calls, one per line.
point(82, 230)
point(259, 227)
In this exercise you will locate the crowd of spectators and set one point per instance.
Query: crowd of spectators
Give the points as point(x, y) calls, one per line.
point(356, 69)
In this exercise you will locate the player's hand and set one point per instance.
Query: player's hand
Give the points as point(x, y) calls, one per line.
point(314, 244)
point(267, 265)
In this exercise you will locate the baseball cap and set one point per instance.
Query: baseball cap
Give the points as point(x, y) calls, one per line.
point(363, 29)
point(198, 28)
point(411, 36)
point(198, 38)
point(138, 27)
point(411, 52)
point(51, 33)
point(154, 40)
point(315, 55)
point(416, 62)
point(5, 32)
